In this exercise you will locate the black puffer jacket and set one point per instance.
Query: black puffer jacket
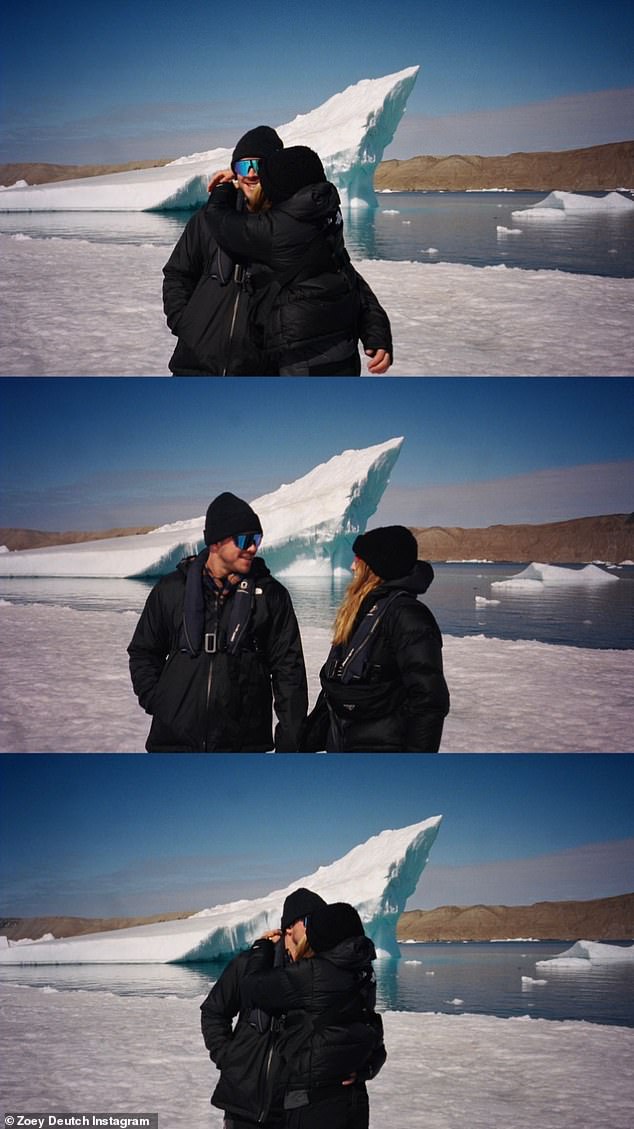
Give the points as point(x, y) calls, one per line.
point(402, 699)
point(326, 302)
point(206, 298)
point(242, 1053)
point(219, 702)
point(340, 983)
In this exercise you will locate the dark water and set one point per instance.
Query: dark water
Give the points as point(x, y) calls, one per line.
point(453, 978)
point(460, 227)
point(592, 615)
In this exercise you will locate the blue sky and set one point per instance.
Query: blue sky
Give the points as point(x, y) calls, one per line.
point(110, 81)
point(109, 835)
point(98, 454)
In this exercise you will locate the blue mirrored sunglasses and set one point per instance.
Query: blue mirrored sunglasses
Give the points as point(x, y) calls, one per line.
point(243, 167)
point(246, 540)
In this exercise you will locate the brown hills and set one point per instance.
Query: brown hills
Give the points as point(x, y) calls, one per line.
point(602, 919)
point(608, 538)
point(597, 168)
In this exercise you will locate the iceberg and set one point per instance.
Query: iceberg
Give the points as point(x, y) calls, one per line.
point(536, 575)
point(309, 526)
point(350, 131)
point(558, 204)
point(377, 876)
point(584, 954)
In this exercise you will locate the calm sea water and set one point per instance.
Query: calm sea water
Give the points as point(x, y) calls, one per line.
point(450, 227)
point(453, 978)
point(593, 615)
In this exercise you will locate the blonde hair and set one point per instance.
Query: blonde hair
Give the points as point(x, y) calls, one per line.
point(363, 582)
point(303, 950)
point(257, 201)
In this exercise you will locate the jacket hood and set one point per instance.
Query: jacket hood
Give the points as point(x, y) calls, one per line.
point(314, 201)
point(353, 953)
point(417, 581)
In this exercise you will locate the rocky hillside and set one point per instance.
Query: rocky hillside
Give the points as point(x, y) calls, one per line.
point(609, 538)
point(599, 168)
point(605, 919)
point(601, 920)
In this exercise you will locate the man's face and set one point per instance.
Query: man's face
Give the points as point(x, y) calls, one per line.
point(249, 184)
point(226, 558)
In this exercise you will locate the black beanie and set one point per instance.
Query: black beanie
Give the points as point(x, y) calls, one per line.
point(330, 925)
point(301, 903)
point(390, 551)
point(227, 515)
point(258, 142)
point(283, 173)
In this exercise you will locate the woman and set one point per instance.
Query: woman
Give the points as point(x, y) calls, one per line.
point(308, 320)
point(332, 1039)
point(383, 688)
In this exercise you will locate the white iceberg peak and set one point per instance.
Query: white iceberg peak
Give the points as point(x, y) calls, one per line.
point(377, 877)
point(350, 132)
point(309, 527)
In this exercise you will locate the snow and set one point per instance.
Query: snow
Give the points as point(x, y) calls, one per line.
point(65, 313)
point(585, 953)
point(309, 527)
point(558, 202)
point(536, 576)
point(350, 132)
point(97, 1051)
point(507, 696)
point(383, 873)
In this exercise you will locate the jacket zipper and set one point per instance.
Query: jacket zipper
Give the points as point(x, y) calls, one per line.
point(238, 280)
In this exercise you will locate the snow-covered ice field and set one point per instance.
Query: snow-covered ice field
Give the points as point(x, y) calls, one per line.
point(66, 688)
point(74, 308)
point(94, 1051)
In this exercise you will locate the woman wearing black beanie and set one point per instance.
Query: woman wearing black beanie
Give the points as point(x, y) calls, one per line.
point(332, 1038)
point(383, 688)
point(308, 321)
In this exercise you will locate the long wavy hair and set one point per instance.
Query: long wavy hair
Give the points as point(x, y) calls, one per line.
point(363, 582)
point(303, 950)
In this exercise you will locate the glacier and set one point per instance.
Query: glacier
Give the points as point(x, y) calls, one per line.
point(350, 131)
point(536, 575)
point(377, 876)
point(309, 526)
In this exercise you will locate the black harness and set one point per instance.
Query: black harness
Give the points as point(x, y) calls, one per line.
point(233, 620)
point(349, 664)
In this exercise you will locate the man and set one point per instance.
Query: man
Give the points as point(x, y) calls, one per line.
point(217, 643)
point(208, 294)
point(241, 1051)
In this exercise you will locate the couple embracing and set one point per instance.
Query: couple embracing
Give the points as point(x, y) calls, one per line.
point(307, 1036)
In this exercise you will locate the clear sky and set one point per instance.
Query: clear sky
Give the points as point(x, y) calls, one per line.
point(109, 835)
point(114, 81)
point(100, 454)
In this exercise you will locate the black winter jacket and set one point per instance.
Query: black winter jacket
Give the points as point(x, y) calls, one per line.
point(340, 983)
point(401, 700)
point(219, 702)
point(325, 303)
point(206, 298)
point(242, 1053)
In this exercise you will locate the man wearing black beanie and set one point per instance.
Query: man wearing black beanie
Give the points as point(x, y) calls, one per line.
point(218, 644)
point(207, 293)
